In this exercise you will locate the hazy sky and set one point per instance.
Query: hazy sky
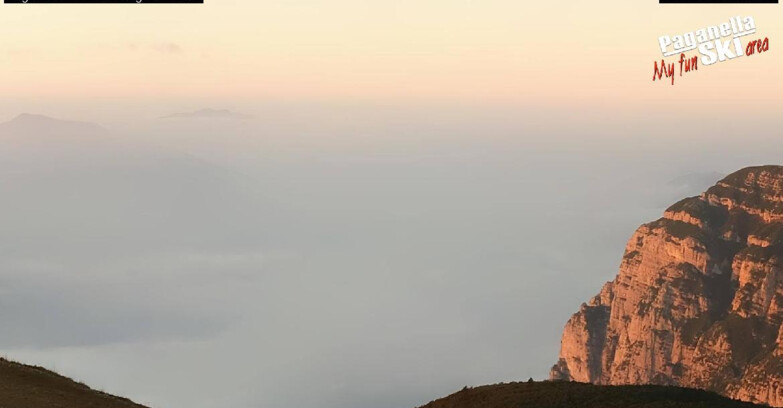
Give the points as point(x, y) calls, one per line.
point(573, 55)
point(425, 194)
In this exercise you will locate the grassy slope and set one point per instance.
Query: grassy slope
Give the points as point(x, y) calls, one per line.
point(23, 386)
point(559, 394)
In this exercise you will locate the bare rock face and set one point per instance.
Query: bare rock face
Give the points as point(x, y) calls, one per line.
point(698, 301)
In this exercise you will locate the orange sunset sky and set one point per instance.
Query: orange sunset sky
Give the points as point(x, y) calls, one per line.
point(573, 55)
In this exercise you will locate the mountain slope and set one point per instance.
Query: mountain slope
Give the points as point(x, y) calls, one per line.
point(72, 187)
point(561, 394)
point(32, 124)
point(23, 386)
point(698, 301)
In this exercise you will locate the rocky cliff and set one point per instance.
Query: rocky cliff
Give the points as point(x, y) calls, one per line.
point(698, 300)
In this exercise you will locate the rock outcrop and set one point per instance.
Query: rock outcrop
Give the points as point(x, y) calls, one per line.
point(698, 301)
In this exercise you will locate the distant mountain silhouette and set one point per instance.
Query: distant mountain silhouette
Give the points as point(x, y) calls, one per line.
point(697, 181)
point(24, 386)
point(64, 177)
point(37, 141)
point(32, 124)
point(209, 114)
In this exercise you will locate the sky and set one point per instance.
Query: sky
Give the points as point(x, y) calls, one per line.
point(424, 194)
point(575, 55)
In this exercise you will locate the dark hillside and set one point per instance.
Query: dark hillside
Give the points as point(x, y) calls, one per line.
point(562, 394)
point(23, 386)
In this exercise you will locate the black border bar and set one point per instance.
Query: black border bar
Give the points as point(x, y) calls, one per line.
point(717, 1)
point(103, 1)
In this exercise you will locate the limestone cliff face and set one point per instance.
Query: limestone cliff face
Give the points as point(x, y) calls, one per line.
point(698, 300)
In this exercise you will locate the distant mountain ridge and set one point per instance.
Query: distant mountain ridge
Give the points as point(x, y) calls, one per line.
point(34, 123)
point(698, 301)
point(697, 181)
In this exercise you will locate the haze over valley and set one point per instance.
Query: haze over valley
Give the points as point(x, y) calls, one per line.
point(210, 262)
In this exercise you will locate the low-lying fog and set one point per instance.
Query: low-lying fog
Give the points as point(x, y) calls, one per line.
point(343, 259)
